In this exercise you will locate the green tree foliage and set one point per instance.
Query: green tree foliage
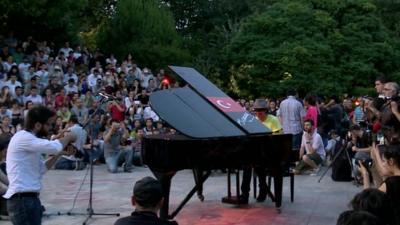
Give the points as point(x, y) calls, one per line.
point(325, 46)
point(207, 27)
point(145, 29)
point(55, 20)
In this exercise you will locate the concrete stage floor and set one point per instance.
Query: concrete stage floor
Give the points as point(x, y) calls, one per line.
point(315, 203)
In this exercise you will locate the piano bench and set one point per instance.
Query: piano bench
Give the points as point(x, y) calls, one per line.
point(287, 173)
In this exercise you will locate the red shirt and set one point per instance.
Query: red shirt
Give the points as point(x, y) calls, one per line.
point(116, 114)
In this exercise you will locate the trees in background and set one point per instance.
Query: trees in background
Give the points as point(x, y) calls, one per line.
point(145, 29)
point(329, 47)
point(248, 47)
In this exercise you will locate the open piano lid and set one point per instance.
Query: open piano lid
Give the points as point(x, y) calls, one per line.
point(202, 110)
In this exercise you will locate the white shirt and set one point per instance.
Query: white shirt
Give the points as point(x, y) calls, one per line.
point(37, 100)
point(92, 79)
point(81, 136)
point(316, 144)
point(25, 165)
point(12, 86)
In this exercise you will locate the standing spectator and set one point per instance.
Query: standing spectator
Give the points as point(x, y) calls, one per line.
point(25, 166)
point(113, 152)
point(312, 112)
point(291, 114)
point(272, 109)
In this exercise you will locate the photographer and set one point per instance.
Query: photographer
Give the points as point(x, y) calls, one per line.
point(360, 145)
point(113, 150)
point(389, 168)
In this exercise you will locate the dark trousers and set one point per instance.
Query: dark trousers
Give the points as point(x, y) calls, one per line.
point(246, 180)
point(296, 141)
point(25, 210)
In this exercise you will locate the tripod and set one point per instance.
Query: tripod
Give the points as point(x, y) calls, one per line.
point(89, 211)
point(339, 153)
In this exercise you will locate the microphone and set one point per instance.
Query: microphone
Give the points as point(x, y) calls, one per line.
point(108, 97)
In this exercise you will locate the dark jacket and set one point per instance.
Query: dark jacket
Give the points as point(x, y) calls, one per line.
point(143, 218)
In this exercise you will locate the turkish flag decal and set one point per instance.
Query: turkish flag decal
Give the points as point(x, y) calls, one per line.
point(226, 104)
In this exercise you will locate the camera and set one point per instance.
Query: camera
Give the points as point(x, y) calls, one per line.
point(367, 163)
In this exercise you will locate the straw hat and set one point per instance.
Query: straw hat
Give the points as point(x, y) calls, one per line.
point(260, 104)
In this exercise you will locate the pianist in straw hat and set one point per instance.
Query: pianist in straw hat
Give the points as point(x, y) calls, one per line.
point(260, 108)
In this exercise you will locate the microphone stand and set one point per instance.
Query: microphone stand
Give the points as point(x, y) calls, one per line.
point(89, 211)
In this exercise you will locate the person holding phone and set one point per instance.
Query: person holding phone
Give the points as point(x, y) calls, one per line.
point(312, 152)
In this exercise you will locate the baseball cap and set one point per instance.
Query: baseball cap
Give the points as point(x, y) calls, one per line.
point(147, 192)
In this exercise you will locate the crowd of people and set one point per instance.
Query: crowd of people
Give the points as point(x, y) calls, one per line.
point(104, 103)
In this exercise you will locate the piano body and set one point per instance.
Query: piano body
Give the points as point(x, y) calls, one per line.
point(215, 133)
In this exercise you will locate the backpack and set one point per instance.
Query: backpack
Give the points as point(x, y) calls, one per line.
point(341, 168)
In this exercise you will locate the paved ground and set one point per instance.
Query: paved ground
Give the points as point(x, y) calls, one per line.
point(315, 203)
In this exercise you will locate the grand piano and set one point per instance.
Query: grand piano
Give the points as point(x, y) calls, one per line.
point(214, 132)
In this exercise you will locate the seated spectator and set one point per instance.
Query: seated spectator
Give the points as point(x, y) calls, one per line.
point(388, 166)
point(28, 106)
point(312, 152)
point(5, 96)
point(113, 151)
point(80, 111)
point(64, 113)
point(149, 128)
point(6, 127)
point(334, 143)
point(73, 162)
point(353, 217)
point(4, 111)
point(16, 114)
point(34, 96)
point(137, 147)
point(71, 88)
point(148, 200)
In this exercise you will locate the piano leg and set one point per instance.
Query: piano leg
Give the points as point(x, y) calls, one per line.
point(189, 196)
point(198, 175)
point(165, 180)
point(278, 180)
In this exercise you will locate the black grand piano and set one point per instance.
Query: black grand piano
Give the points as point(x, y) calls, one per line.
point(214, 132)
